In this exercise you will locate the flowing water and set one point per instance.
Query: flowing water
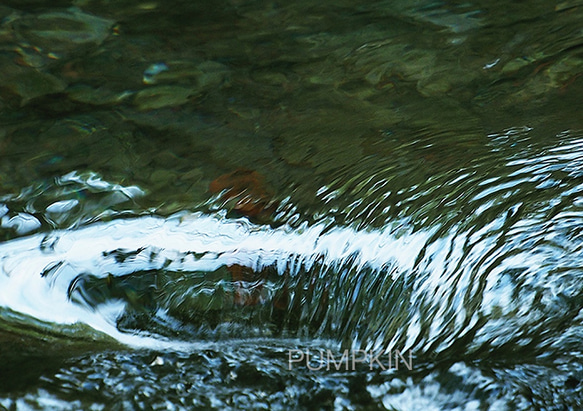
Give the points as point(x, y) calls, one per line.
point(258, 205)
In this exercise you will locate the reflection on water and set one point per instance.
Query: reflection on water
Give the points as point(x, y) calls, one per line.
point(189, 191)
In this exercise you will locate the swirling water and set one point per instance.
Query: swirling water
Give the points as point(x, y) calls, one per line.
point(415, 205)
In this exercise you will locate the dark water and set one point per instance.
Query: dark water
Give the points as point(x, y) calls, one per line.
point(197, 196)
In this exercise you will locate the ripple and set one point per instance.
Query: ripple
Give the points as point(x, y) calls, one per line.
point(471, 263)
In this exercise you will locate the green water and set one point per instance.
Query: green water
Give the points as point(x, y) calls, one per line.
point(456, 119)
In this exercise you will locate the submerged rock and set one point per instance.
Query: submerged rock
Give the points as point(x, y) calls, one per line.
point(28, 83)
point(249, 191)
point(162, 96)
point(202, 75)
point(174, 83)
point(62, 31)
point(96, 96)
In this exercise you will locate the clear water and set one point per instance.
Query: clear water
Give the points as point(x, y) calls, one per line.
point(195, 195)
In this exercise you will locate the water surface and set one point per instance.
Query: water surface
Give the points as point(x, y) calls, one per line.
point(191, 191)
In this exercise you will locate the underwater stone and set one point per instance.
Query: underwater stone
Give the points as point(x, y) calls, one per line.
point(162, 96)
point(162, 177)
point(200, 76)
point(62, 31)
point(96, 96)
point(28, 83)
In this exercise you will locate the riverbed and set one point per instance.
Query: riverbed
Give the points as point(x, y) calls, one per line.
point(256, 205)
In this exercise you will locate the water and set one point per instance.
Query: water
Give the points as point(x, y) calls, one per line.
point(193, 196)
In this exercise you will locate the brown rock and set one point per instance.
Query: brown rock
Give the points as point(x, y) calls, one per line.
point(248, 190)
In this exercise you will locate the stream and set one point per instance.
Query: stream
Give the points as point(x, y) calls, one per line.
point(252, 205)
